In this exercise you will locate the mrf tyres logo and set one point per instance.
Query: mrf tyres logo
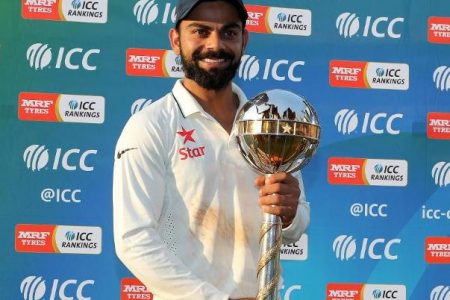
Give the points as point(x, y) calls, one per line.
point(49, 107)
point(440, 292)
point(439, 30)
point(154, 12)
point(359, 291)
point(133, 288)
point(437, 250)
point(278, 20)
point(253, 68)
point(441, 78)
point(364, 171)
point(87, 11)
point(153, 63)
point(441, 173)
point(347, 122)
point(370, 75)
point(438, 125)
point(38, 157)
point(37, 288)
point(58, 239)
point(41, 56)
point(349, 25)
point(346, 247)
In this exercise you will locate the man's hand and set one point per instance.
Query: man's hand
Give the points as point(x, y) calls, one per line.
point(278, 195)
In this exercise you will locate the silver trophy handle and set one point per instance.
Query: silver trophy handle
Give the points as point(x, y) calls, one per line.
point(268, 269)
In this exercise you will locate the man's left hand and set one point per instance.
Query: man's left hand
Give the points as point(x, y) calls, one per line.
point(278, 195)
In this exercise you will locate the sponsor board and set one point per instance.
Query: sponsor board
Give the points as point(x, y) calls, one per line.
point(437, 250)
point(139, 104)
point(348, 25)
point(438, 125)
point(290, 292)
point(153, 63)
point(149, 12)
point(37, 288)
point(359, 291)
point(60, 195)
point(441, 78)
point(133, 288)
point(278, 20)
point(254, 68)
point(435, 213)
point(364, 171)
point(439, 30)
point(37, 238)
point(41, 56)
point(374, 210)
point(295, 251)
point(441, 173)
point(346, 247)
point(369, 75)
point(86, 11)
point(440, 292)
point(50, 107)
point(37, 158)
point(347, 122)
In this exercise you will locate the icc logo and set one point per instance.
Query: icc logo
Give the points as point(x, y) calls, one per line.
point(441, 78)
point(346, 247)
point(139, 104)
point(347, 122)
point(77, 4)
point(250, 69)
point(40, 56)
point(440, 292)
point(34, 288)
point(146, 12)
point(82, 105)
point(348, 25)
point(441, 173)
point(384, 294)
point(37, 157)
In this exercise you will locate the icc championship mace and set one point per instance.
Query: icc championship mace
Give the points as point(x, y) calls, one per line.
point(277, 131)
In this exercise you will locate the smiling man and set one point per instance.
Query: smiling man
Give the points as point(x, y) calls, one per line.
point(186, 209)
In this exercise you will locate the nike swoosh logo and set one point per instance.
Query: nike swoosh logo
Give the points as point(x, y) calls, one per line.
point(120, 153)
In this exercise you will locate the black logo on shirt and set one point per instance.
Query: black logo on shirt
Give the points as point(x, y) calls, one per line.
point(120, 153)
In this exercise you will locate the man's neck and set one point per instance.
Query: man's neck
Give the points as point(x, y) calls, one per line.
point(221, 104)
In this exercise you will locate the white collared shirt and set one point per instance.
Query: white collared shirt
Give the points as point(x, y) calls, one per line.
point(186, 213)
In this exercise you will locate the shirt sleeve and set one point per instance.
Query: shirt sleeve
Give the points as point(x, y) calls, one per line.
point(138, 194)
point(294, 231)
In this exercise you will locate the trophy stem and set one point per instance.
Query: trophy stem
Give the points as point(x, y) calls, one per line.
point(268, 269)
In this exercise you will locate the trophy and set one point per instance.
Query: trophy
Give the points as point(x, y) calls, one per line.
point(277, 131)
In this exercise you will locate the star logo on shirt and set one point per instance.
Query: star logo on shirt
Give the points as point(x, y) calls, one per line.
point(186, 134)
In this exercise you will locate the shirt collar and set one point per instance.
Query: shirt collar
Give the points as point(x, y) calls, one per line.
point(187, 103)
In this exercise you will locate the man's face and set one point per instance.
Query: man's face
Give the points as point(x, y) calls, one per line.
point(210, 41)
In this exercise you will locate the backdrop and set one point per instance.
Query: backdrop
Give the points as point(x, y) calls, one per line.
point(377, 72)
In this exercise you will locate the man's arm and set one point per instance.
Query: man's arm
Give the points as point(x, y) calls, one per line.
point(138, 193)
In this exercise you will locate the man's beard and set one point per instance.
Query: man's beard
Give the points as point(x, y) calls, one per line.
point(214, 79)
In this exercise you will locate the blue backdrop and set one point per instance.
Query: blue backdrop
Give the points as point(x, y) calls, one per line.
point(377, 72)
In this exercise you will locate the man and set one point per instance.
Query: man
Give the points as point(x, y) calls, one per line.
point(186, 208)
